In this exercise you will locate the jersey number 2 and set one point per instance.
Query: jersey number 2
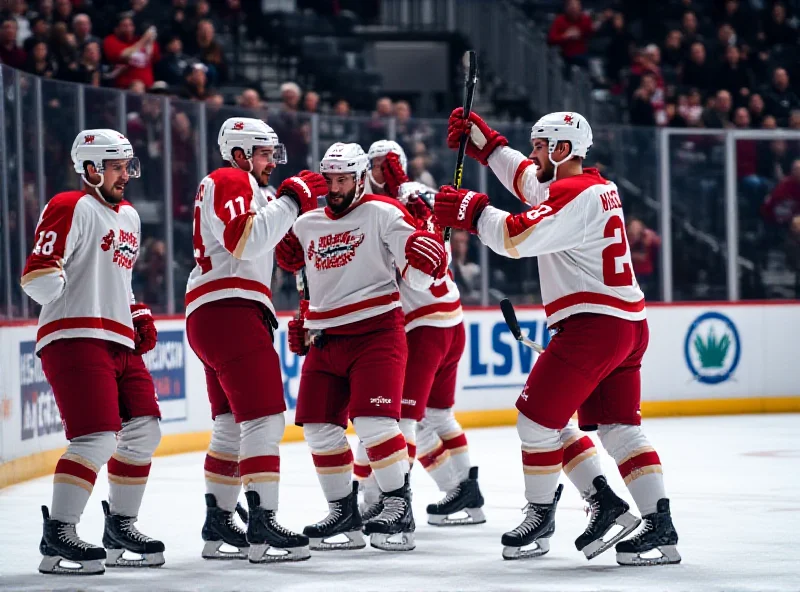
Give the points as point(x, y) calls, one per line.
point(617, 249)
point(197, 235)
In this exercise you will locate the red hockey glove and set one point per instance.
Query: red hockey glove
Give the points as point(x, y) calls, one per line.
point(425, 251)
point(304, 189)
point(393, 173)
point(289, 253)
point(144, 327)
point(459, 208)
point(482, 139)
point(297, 334)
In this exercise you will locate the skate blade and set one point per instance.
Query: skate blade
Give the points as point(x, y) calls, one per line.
point(354, 540)
point(539, 548)
point(667, 554)
point(628, 523)
point(384, 542)
point(267, 554)
point(466, 516)
point(116, 558)
point(218, 550)
point(60, 566)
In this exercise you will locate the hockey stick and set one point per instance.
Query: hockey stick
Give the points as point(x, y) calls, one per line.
point(513, 324)
point(301, 279)
point(470, 83)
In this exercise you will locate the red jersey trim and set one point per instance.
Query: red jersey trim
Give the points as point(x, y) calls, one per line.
point(85, 323)
point(518, 176)
point(227, 284)
point(436, 307)
point(58, 217)
point(355, 307)
point(592, 298)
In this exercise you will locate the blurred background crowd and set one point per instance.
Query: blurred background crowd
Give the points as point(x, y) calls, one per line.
point(168, 72)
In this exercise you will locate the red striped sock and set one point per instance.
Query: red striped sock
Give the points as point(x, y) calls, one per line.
point(126, 483)
point(73, 482)
point(389, 461)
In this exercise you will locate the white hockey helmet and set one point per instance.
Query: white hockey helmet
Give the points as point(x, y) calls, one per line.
point(346, 158)
point(247, 133)
point(98, 145)
point(564, 126)
point(384, 147)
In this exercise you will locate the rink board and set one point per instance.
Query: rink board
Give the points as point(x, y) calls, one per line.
point(715, 358)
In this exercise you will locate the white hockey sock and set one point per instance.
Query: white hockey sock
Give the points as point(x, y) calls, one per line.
point(260, 461)
point(638, 464)
point(435, 458)
point(408, 427)
point(386, 448)
point(444, 422)
point(222, 462)
point(363, 473)
point(581, 463)
point(129, 467)
point(541, 460)
point(76, 473)
point(332, 457)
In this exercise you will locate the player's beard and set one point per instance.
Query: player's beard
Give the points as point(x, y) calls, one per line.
point(110, 197)
point(545, 174)
point(341, 206)
point(263, 179)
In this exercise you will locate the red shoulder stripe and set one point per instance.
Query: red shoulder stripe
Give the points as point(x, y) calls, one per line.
point(50, 240)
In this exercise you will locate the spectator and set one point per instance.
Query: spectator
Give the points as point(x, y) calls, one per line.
point(742, 23)
point(90, 69)
point(794, 120)
point(17, 10)
point(776, 29)
point(40, 31)
point(63, 12)
point(10, 54)
point(46, 11)
point(292, 130)
point(64, 49)
point(734, 76)
point(769, 122)
point(39, 61)
point(692, 109)
point(144, 14)
point(756, 108)
point(689, 29)
point(172, 66)
point(644, 245)
point(342, 108)
point(674, 117)
point(741, 118)
point(183, 163)
point(290, 97)
point(726, 37)
point(250, 99)
point(466, 273)
point(311, 102)
point(202, 12)
point(82, 29)
point(696, 71)
point(138, 54)
point(180, 24)
point(571, 31)
point(783, 204)
point(137, 87)
point(209, 51)
point(383, 108)
point(672, 54)
point(418, 171)
point(620, 48)
point(647, 62)
point(195, 82)
point(150, 274)
point(776, 162)
point(719, 115)
point(780, 99)
point(641, 110)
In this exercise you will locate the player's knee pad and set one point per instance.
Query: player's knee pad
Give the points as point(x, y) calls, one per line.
point(408, 427)
point(536, 436)
point(442, 421)
point(361, 454)
point(324, 436)
point(225, 435)
point(621, 440)
point(570, 432)
point(97, 448)
point(139, 438)
point(261, 436)
point(374, 430)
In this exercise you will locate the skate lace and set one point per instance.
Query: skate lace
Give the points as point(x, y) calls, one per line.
point(232, 524)
point(128, 525)
point(393, 509)
point(278, 528)
point(453, 494)
point(647, 526)
point(532, 520)
point(334, 514)
point(68, 534)
point(593, 511)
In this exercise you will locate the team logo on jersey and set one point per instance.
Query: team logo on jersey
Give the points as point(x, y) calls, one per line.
point(108, 241)
point(88, 139)
point(712, 348)
point(125, 248)
point(335, 250)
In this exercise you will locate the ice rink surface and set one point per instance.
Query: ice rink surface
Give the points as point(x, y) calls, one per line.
point(733, 482)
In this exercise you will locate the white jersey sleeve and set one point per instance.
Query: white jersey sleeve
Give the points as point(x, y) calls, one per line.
point(518, 175)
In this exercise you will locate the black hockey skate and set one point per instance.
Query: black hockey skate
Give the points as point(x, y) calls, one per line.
point(537, 528)
point(606, 510)
point(121, 535)
point(657, 534)
point(220, 529)
point(60, 542)
point(343, 519)
point(396, 519)
point(264, 534)
point(370, 511)
point(466, 498)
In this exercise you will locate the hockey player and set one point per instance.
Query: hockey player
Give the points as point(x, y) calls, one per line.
point(376, 182)
point(436, 338)
point(230, 324)
point(593, 304)
point(355, 368)
point(91, 338)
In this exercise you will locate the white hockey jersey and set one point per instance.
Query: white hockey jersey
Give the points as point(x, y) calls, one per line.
point(576, 229)
point(80, 269)
point(237, 225)
point(351, 260)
